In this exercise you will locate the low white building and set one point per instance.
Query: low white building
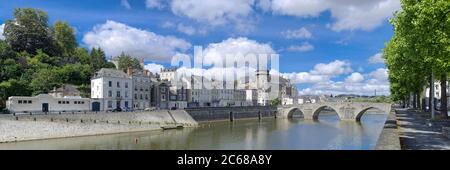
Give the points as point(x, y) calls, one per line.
point(47, 103)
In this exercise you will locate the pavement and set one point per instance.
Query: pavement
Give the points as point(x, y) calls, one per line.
point(418, 132)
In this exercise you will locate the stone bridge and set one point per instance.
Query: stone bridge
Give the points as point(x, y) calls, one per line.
point(345, 110)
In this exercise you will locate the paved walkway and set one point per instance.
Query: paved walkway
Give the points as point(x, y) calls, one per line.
point(418, 132)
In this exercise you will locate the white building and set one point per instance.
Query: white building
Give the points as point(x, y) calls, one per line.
point(168, 74)
point(47, 103)
point(111, 89)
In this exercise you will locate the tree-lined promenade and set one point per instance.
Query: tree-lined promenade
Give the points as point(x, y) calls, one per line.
point(36, 57)
point(419, 52)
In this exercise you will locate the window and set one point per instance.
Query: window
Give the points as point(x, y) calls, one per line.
point(118, 93)
point(67, 102)
point(163, 89)
point(163, 97)
point(110, 93)
point(126, 94)
point(20, 101)
point(118, 84)
point(135, 96)
point(82, 102)
point(126, 84)
point(110, 83)
point(75, 102)
point(59, 102)
point(141, 97)
point(29, 102)
point(146, 97)
point(109, 104)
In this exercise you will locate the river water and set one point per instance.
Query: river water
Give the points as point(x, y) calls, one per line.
point(285, 134)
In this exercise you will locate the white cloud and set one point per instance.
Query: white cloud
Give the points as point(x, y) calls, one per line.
point(301, 33)
point(115, 38)
point(355, 78)
point(125, 4)
point(189, 30)
point(380, 75)
point(377, 58)
point(233, 46)
point(216, 13)
point(348, 14)
point(301, 48)
point(336, 67)
point(305, 77)
point(1, 32)
point(354, 84)
point(153, 67)
point(157, 4)
point(322, 72)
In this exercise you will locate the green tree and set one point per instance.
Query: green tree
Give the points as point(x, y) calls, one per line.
point(126, 61)
point(275, 102)
point(44, 80)
point(64, 37)
point(98, 60)
point(29, 31)
point(76, 74)
point(12, 87)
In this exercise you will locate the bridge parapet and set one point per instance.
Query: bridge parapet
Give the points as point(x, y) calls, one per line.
point(345, 110)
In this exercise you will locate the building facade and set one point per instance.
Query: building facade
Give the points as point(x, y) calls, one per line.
point(111, 89)
point(141, 88)
point(47, 103)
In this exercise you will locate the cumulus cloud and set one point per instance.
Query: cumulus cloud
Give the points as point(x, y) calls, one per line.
point(115, 38)
point(301, 33)
point(214, 12)
point(336, 67)
point(355, 78)
point(216, 52)
point(322, 72)
point(125, 4)
point(301, 48)
point(1, 32)
point(347, 14)
point(354, 84)
point(153, 67)
point(377, 58)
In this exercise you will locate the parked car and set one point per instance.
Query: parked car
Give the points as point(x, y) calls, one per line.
point(117, 110)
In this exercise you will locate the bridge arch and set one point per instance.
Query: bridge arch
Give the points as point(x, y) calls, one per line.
point(290, 112)
point(364, 110)
point(317, 111)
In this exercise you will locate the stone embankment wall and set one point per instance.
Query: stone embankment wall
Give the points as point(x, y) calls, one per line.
point(389, 138)
point(32, 127)
point(231, 113)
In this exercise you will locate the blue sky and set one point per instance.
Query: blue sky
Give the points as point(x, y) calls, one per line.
point(310, 36)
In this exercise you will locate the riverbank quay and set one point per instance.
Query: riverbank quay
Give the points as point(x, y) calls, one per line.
point(23, 127)
point(389, 137)
point(417, 131)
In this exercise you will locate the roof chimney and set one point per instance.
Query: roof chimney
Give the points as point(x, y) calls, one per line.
point(130, 71)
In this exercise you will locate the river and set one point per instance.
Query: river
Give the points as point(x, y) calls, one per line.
point(269, 133)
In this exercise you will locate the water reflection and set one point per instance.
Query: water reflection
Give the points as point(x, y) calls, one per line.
point(326, 133)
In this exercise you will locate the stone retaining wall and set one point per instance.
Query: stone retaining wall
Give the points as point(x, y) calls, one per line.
point(32, 127)
point(231, 113)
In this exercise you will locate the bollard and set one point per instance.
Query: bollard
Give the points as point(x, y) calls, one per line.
point(17, 118)
point(59, 112)
point(259, 115)
point(67, 119)
point(118, 122)
point(231, 117)
point(81, 120)
point(95, 121)
point(275, 114)
point(31, 113)
point(107, 121)
point(73, 112)
point(51, 119)
point(34, 118)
